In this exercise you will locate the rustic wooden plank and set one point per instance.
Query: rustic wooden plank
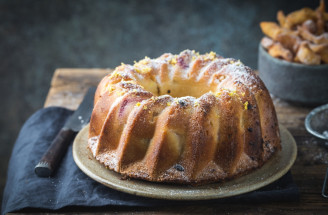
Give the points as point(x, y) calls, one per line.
point(69, 85)
point(64, 76)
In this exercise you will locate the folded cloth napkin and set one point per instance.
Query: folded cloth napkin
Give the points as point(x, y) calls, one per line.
point(71, 187)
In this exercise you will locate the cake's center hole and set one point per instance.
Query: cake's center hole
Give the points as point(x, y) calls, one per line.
point(179, 88)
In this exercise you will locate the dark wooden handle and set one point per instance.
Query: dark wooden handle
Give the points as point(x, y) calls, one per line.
point(52, 157)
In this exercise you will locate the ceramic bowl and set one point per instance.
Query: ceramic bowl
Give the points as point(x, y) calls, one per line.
point(294, 82)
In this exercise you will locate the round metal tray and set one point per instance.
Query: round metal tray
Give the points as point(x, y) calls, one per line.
point(316, 122)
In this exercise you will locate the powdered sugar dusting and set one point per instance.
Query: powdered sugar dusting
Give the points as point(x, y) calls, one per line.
point(92, 144)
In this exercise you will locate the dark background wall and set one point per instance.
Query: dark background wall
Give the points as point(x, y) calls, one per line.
point(36, 37)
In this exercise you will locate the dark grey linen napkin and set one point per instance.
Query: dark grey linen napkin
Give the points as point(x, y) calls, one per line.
point(71, 187)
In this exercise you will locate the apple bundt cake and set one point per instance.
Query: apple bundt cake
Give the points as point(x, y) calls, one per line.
point(187, 118)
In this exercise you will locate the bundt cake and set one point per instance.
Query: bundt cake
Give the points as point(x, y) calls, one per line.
point(187, 118)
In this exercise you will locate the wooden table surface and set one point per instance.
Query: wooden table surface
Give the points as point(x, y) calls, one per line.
point(69, 85)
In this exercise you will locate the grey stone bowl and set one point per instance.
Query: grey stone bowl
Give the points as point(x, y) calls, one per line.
point(294, 82)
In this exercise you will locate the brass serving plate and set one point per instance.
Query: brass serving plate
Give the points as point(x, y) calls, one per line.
point(275, 168)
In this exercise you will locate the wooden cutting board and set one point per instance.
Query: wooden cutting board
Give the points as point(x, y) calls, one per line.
point(68, 86)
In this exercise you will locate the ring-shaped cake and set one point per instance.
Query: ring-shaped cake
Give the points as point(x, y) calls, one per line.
point(187, 118)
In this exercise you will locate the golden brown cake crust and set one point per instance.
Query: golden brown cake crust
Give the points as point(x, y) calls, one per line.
point(187, 118)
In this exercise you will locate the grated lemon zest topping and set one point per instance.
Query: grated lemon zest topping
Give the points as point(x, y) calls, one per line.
point(143, 70)
point(196, 104)
point(212, 55)
point(239, 63)
point(110, 88)
point(115, 74)
point(120, 93)
point(218, 94)
point(146, 70)
point(173, 61)
point(168, 104)
point(232, 93)
point(138, 104)
point(145, 107)
point(195, 53)
point(144, 61)
point(246, 105)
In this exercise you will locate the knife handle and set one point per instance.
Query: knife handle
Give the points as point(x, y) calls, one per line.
point(52, 157)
